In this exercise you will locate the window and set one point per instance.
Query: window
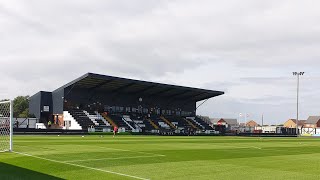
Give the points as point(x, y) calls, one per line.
point(169, 112)
point(185, 113)
point(113, 108)
point(107, 108)
point(117, 108)
point(121, 109)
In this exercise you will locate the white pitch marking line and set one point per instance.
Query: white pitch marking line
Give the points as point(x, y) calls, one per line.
point(133, 157)
point(243, 147)
point(81, 166)
point(125, 150)
point(256, 147)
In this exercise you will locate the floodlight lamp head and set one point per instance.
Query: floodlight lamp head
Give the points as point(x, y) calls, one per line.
point(298, 73)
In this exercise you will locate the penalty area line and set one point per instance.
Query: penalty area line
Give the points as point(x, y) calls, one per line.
point(81, 166)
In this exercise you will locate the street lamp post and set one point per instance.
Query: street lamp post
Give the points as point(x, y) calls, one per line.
point(240, 115)
point(298, 74)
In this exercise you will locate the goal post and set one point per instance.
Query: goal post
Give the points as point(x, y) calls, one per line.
point(6, 126)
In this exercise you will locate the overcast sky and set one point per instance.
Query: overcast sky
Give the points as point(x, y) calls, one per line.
point(247, 48)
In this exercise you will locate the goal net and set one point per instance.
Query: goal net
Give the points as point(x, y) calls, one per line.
point(6, 126)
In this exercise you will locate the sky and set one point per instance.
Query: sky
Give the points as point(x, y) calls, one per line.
point(246, 48)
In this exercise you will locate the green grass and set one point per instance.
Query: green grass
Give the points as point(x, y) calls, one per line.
point(153, 157)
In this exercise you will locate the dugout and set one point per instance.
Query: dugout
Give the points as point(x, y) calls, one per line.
point(96, 92)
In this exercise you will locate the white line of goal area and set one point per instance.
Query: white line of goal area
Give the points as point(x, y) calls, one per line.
point(126, 150)
point(81, 166)
point(130, 157)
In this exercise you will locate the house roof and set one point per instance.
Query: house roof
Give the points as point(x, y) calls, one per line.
point(252, 121)
point(300, 122)
point(215, 120)
point(313, 119)
point(228, 121)
point(231, 121)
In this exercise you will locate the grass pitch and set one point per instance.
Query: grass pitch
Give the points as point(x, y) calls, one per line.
point(153, 157)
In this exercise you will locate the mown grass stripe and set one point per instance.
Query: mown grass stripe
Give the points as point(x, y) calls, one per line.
point(81, 166)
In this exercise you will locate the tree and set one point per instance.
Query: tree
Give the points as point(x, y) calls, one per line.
point(21, 107)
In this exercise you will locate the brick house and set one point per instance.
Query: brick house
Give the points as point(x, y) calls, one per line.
point(252, 123)
point(292, 123)
point(312, 122)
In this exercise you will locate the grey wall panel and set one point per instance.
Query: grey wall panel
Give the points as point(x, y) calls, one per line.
point(34, 105)
point(57, 101)
point(46, 100)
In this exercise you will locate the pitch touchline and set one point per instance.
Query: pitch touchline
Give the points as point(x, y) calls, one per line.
point(81, 166)
point(133, 157)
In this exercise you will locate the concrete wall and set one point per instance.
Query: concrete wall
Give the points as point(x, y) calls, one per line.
point(72, 122)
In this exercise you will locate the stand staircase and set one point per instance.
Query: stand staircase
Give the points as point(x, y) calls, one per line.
point(110, 121)
point(153, 124)
point(168, 122)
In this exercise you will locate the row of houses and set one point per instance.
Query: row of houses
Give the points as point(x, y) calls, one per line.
point(229, 123)
point(311, 122)
point(311, 126)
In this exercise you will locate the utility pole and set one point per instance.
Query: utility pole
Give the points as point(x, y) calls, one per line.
point(298, 74)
